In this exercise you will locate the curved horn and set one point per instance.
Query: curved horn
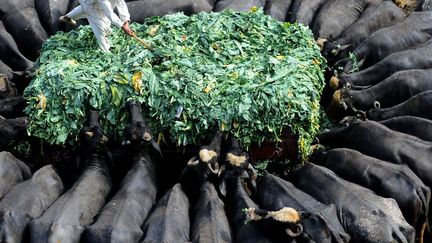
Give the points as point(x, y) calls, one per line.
point(193, 162)
point(214, 170)
point(298, 231)
point(361, 115)
point(156, 147)
point(252, 169)
point(376, 104)
point(348, 85)
point(221, 170)
point(147, 136)
point(90, 134)
point(344, 105)
point(335, 51)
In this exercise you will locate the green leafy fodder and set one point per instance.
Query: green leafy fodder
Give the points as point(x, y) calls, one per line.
point(243, 73)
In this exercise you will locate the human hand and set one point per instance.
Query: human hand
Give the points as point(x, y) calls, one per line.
point(127, 29)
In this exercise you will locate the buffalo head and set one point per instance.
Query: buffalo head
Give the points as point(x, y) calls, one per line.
point(136, 131)
point(286, 220)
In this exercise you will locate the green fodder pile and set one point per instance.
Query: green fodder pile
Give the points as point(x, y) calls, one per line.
point(243, 73)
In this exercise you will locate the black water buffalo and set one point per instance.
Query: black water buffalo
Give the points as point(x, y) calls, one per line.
point(237, 199)
point(278, 9)
point(19, 79)
point(241, 207)
point(209, 220)
point(364, 215)
point(335, 16)
point(415, 58)
point(415, 126)
point(12, 107)
point(376, 140)
point(49, 11)
point(419, 105)
point(384, 178)
point(137, 133)
point(122, 217)
point(12, 172)
point(201, 166)
point(22, 22)
point(65, 219)
point(169, 222)
point(424, 5)
point(6, 70)
point(412, 31)
point(208, 155)
point(12, 130)
point(394, 90)
point(140, 10)
point(27, 201)
point(321, 225)
point(374, 17)
point(238, 5)
point(303, 11)
point(7, 89)
point(9, 52)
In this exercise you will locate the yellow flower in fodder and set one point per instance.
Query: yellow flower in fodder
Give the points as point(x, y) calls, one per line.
point(216, 47)
point(254, 9)
point(301, 143)
point(42, 102)
point(315, 105)
point(153, 30)
point(160, 138)
point(209, 88)
point(290, 93)
point(71, 62)
point(137, 81)
point(235, 125)
point(223, 126)
point(280, 57)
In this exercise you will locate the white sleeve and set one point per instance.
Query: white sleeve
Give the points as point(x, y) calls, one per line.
point(123, 10)
point(108, 10)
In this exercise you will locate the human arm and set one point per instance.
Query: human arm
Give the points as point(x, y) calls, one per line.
point(127, 29)
point(123, 10)
point(108, 9)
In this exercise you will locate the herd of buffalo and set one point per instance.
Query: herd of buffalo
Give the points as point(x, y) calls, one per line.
point(367, 180)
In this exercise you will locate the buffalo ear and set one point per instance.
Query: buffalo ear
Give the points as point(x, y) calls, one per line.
point(426, 5)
